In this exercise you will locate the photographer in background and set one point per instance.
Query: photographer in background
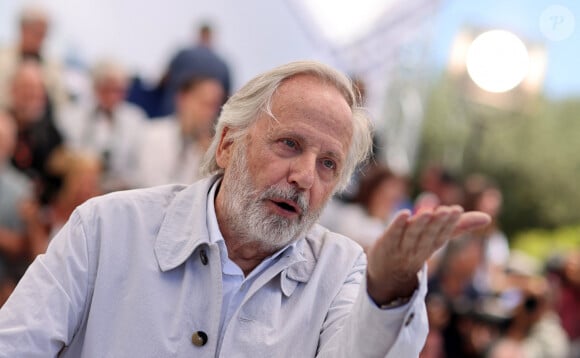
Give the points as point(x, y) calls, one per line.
point(564, 275)
point(535, 324)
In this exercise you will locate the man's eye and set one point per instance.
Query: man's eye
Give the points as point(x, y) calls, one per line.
point(329, 164)
point(290, 143)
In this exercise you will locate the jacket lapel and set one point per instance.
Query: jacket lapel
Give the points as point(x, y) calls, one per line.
point(184, 226)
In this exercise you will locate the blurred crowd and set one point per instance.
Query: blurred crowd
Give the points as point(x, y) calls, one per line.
point(68, 134)
point(61, 144)
point(484, 300)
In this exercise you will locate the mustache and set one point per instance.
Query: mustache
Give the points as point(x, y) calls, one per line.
point(290, 194)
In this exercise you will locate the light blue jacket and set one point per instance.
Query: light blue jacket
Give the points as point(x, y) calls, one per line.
point(132, 274)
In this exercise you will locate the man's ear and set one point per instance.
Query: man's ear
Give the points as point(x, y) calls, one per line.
point(224, 149)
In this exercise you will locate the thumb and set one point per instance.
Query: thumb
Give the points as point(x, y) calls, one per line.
point(471, 221)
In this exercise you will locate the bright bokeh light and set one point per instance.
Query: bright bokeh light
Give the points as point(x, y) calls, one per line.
point(497, 61)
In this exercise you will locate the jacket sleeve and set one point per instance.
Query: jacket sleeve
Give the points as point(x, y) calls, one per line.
point(46, 308)
point(362, 329)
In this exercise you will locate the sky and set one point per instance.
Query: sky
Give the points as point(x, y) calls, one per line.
point(523, 18)
point(255, 35)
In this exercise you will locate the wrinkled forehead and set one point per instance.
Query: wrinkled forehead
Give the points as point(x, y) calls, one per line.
point(311, 97)
point(313, 110)
point(344, 87)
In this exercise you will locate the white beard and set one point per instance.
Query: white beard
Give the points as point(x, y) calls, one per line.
point(248, 217)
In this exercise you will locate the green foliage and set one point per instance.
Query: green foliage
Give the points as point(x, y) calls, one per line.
point(541, 243)
point(533, 154)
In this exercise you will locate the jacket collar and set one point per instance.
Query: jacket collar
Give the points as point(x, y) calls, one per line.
point(184, 228)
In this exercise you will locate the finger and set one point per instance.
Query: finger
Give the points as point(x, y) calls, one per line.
point(471, 221)
point(397, 227)
point(441, 228)
point(432, 233)
point(415, 227)
point(449, 226)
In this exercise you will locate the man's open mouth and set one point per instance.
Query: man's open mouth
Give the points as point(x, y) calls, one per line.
point(287, 206)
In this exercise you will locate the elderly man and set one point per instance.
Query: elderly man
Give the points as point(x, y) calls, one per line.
point(109, 128)
point(38, 138)
point(34, 24)
point(235, 265)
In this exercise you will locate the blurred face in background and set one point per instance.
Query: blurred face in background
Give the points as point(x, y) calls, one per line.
point(83, 180)
point(28, 96)
point(198, 107)
point(110, 91)
point(572, 268)
point(7, 137)
point(387, 196)
point(81, 175)
point(490, 202)
point(460, 267)
point(32, 35)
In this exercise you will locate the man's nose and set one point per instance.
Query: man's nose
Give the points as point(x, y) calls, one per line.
point(303, 171)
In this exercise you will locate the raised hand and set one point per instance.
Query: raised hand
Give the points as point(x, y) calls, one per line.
point(397, 256)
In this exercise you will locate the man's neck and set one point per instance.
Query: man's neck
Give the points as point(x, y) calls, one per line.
point(247, 255)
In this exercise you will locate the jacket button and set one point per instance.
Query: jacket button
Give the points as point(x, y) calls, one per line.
point(199, 338)
point(203, 257)
point(410, 319)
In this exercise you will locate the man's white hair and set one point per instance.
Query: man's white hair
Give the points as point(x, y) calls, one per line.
point(107, 69)
point(242, 110)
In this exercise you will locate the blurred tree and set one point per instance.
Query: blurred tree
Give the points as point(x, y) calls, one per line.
point(543, 244)
point(532, 154)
